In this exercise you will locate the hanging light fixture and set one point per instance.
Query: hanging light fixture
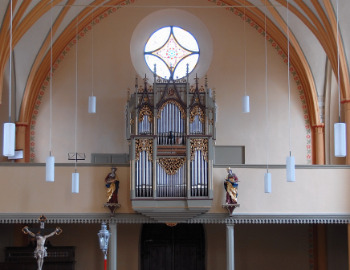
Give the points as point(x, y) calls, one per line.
point(267, 176)
point(75, 175)
point(339, 128)
point(75, 182)
point(245, 98)
point(9, 132)
point(50, 160)
point(290, 160)
point(267, 182)
point(92, 98)
point(103, 239)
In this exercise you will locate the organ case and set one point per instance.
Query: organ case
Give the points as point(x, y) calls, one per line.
point(171, 129)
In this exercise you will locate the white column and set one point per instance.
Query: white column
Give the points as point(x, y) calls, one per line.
point(230, 247)
point(112, 250)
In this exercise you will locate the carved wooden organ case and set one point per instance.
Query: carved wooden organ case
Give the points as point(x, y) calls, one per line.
point(171, 128)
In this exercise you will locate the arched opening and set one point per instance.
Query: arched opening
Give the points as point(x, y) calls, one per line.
point(179, 247)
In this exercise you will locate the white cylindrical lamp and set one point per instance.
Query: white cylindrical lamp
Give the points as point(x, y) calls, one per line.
point(340, 139)
point(92, 104)
point(290, 168)
point(9, 139)
point(50, 169)
point(267, 182)
point(245, 104)
point(75, 182)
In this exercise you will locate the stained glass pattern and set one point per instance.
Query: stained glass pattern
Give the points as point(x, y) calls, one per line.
point(171, 49)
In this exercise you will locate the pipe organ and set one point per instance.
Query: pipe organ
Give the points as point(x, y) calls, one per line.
point(171, 129)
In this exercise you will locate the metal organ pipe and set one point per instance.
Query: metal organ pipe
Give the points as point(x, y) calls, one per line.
point(145, 126)
point(171, 185)
point(170, 121)
point(199, 175)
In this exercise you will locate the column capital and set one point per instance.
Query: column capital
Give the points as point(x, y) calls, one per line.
point(318, 128)
point(22, 124)
point(346, 105)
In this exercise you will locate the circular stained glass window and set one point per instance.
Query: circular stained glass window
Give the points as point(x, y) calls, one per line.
point(170, 51)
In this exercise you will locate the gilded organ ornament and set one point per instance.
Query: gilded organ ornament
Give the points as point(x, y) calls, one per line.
point(183, 113)
point(197, 111)
point(199, 145)
point(193, 89)
point(144, 145)
point(171, 165)
point(146, 110)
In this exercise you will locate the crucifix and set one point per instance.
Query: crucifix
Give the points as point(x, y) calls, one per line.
point(40, 251)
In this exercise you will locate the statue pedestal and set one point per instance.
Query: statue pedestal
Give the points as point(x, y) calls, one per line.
point(112, 207)
point(230, 207)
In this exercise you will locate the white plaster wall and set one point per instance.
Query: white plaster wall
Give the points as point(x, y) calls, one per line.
point(266, 138)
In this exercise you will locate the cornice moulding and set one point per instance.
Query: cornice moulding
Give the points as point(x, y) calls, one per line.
point(209, 218)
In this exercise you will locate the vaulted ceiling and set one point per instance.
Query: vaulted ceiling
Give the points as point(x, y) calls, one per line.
point(311, 26)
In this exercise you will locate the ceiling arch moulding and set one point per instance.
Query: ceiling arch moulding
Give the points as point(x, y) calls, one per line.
point(330, 34)
point(298, 60)
point(40, 79)
point(33, 16)
point(19, 14)
point(66, 38)
point(27, 98)
point(327, 38)
point(298, 68)
point(328, 46)
point(320, 32)
point(4, 48)
point(343, 65)
point(40, 71)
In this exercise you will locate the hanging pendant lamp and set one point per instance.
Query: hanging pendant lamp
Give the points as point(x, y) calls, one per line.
point(267, 182)
point(9, 141)
point(75, 182)
point(50, 169)
point(339, 128)
point(75, 175)
point(290, 168)
point(245, 98)
point(92, 98)
point(9, 131)
point(290, 160)
point(50, 160)
point(245, 104)
point(267, 176)
point(340, 139)
point(92, 104)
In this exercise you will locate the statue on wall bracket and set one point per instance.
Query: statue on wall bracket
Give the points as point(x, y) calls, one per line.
point(39, 234)
point(112, 187)
point(231, 188)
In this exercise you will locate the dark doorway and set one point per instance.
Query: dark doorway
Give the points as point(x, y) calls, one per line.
point(179, 247)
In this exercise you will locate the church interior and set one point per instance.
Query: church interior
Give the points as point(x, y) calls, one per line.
point(178, 134)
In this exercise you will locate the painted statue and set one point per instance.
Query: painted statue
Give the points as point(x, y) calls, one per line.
point(112, 185)
point(231, 187)
point(40, 251)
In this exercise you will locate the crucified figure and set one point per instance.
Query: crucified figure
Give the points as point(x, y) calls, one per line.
point(40, 251)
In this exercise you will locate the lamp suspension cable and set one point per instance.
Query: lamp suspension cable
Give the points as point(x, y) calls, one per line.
point(339, 128)
point(9, 132)
point(267, 176)
point(50, 160)
point(290, 160)
point(50, 131)
point(10, 63)
point(338, 60)
point(245, 100)
point(92, 98)
point(75, 175)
